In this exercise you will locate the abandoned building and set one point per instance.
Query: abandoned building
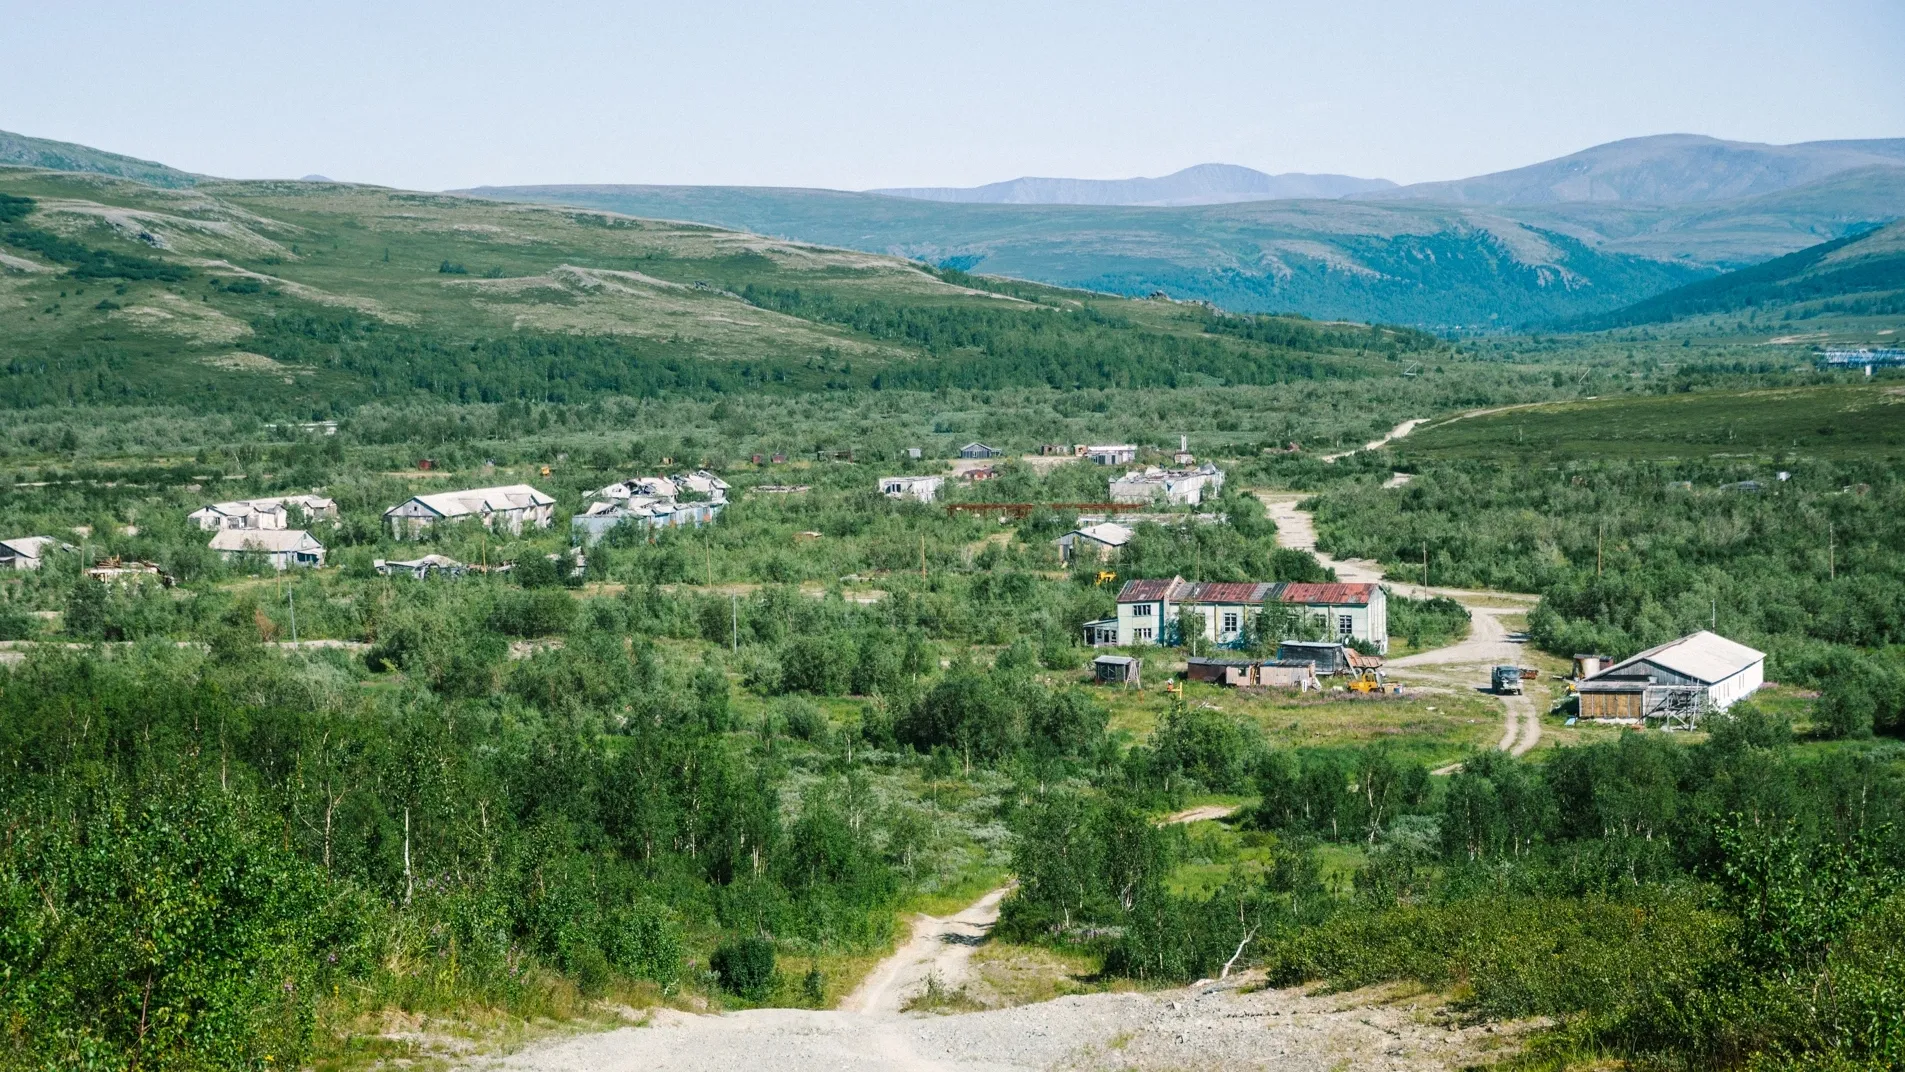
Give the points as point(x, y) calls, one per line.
point(918, 488)
point(1099, 543)
point(1173, 487)
point(513, 508)
point(281, 549)
point(271, 513)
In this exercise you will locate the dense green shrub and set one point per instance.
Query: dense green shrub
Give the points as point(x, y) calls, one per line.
point(746, 966)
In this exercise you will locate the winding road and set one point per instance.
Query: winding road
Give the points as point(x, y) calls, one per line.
point(1461, 664)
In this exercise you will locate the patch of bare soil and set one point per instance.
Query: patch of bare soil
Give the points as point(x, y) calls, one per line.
point(1232, 1026)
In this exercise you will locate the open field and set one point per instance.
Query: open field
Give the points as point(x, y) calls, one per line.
point(1839, 421)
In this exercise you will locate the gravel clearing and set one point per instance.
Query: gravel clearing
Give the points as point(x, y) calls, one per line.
point(1215, 1026)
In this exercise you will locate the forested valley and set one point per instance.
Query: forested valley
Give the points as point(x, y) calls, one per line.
point(255, 819)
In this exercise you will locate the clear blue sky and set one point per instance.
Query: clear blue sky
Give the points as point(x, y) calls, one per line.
point(856, 95)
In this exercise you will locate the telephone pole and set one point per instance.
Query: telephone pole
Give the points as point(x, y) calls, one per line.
point(734, 612)
point(291, 597)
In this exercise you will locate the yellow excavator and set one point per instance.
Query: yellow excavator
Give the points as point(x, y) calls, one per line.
point(1105, 576)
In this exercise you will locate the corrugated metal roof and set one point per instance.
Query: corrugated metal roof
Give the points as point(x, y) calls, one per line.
point(1148, 590)
point(272, 541)
point(476, 500)
point(1702, 656)
point(1251, 592)
point(1337, 594)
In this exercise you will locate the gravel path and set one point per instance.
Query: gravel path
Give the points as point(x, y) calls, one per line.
point(1222, 1026)
point(939, 946)
point(1462, 664)
point(1395, 433)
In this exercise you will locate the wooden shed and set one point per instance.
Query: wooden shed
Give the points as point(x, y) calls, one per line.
point(1117, 670)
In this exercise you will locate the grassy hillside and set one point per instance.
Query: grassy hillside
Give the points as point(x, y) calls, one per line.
point(314, 294)
point(20, 150)
point(1839, 421)
point(1857, 274)
point(1428, 265)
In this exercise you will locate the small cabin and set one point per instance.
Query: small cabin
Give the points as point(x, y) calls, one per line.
point(1117, 670)
point(979, 450)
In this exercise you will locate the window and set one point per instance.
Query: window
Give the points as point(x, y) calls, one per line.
point(1230, 621)
point(1142, 610)
point(1142, 634)
point(1345, 624)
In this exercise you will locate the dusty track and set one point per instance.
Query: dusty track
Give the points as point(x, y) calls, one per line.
point(939, 946)
point(1463, 664)
point(1212, 1026)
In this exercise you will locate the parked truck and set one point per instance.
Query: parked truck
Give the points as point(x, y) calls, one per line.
point(1508, 679)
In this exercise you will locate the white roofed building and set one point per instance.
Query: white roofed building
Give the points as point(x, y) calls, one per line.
point(1676, 682)
point(1100, 541)
point(280, 548)
point(512, 508)
point(25, 552)
point(918, 488)
point(271, 513)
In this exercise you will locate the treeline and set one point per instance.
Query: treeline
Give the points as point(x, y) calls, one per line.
point(1728, 904)
point(978, 347)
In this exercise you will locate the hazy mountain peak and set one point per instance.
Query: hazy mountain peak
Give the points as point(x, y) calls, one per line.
point(1659, 169)
point(1200, 184)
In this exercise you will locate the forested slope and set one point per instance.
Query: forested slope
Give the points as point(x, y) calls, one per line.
point(316, 295)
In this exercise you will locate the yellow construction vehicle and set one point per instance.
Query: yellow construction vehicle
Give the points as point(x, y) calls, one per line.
point(1367, 681)
point(1105, 576)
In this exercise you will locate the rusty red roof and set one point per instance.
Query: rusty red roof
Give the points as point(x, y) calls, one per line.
point(1333, 594)
point(1149, 590)
point(1251, 592)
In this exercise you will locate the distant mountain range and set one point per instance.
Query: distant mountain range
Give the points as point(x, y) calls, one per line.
point(1582, 236)
point(1667, 169)
point(1203, 184)
point(1664, 169)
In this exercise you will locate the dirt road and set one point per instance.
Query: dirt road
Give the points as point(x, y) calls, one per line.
point(1395, 433)
point(940, 946)
point(1463, 664)
point(1230, 1025)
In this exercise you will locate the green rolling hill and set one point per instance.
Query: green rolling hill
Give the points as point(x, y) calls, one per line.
point(1860, 274)
point(284, 295)
point(22, 151)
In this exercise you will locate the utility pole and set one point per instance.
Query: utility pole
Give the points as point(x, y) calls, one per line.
point(291, 597)
point(1713, 615)
point(1425, 563)
point(734, 616)
point(922, 555)
point(1597, 550)
point(710, 552)
point(1832, 569)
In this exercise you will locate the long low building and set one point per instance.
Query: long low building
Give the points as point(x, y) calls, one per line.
point(1676, 682)
point(281, 549)
point(513, 507)
point(1150, 611)
point(1176, 487)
